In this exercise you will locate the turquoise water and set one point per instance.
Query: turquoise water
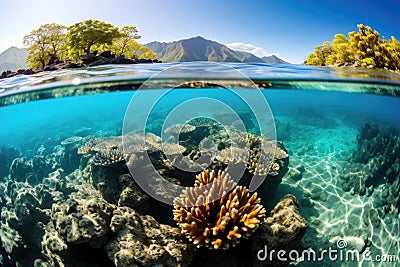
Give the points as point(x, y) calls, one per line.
point(340, 130)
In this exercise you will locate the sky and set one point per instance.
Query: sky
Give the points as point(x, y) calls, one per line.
point(289, 29)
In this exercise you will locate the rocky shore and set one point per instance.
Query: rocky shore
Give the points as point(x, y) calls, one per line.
point(88, 60)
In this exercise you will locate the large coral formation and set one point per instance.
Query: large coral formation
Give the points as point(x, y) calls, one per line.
point(132, 195)
point(282, 230)
point(375, 162)
point(80, 220)
point(64, 222)
point(218, 217)
point(7, 155)
point(142, 241)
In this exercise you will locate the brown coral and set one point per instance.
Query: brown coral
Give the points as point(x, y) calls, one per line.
point(217, 223)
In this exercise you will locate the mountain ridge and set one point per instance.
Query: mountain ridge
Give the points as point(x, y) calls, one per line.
point(184, 50)
point(200, 49)
point(13, 58)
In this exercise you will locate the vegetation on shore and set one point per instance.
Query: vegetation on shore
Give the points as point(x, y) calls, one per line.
point(365, 48)
point(54, 42)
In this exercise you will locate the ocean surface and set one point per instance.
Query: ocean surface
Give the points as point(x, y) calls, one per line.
point(65, 142)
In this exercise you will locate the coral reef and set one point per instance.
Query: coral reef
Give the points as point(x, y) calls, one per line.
point(176, 129)
point(69, 156)
point(282, 230)
point(142, 241)
point(108, 157)
point(77, 205)
point(314, 117)
point(7, 155)
point(261, 159)
point(202, 121)
point(33, 170)
point(132, 195)
point(172, 149)
point(375, 162)
point(219, 223)
point(27, 213)
point(94, 145)
point(63, 221)
point(79, 220)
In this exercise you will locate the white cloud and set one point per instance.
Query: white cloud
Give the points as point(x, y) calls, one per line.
point(258, 51)
point(13, 40)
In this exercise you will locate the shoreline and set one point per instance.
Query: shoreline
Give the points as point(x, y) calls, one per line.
point(89, 60)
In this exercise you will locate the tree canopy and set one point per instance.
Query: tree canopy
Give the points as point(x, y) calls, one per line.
point(52, 42)
point(82, 36)
point(365, 46)
point(126, 45)
point(46, 45)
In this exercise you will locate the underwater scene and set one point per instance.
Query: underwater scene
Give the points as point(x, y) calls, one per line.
point(200, 164)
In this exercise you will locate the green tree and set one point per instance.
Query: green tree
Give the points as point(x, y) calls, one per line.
point(82, 36)
point(342, 51)
point(392, 49)
point(364, 46)
point(128, 35)
point(321, 54)
point(45, 45)
point(146, 53)
point(127, 45)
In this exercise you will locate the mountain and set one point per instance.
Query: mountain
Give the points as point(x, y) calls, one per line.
point(274, 60)
point(200, 49)
point(13, 59)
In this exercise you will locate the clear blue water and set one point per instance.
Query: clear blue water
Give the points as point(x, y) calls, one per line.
point(318, 114)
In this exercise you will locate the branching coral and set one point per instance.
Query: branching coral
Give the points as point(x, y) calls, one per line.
point(217, 223)
point(108, 157)
point(261, 157)
point(262, 163)
point(233, 155)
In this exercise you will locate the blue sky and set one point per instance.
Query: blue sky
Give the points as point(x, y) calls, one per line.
point(288, 28)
